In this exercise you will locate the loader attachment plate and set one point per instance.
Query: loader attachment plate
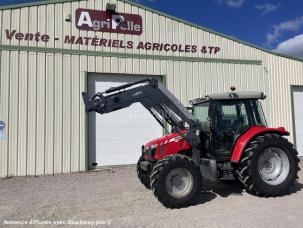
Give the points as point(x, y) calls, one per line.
point(89, 104)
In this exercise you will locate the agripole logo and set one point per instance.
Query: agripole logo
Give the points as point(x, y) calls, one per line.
point(102, 21)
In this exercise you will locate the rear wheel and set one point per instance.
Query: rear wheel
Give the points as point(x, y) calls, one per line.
point(176, 181)
point(269, 166)
point(142, 174)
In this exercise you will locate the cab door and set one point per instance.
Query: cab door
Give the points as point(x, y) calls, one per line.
point(230, 120)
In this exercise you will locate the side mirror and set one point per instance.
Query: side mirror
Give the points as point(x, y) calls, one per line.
point(190, 108)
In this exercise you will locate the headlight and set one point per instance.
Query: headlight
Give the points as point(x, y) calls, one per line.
point(150, 151)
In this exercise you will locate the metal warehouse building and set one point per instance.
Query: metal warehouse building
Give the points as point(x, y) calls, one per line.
point(52, 51)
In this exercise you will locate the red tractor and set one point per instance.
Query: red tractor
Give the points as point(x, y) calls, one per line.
point(221, 137)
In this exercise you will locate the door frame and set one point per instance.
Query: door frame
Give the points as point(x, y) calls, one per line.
point(292, 90)
point(88, 146)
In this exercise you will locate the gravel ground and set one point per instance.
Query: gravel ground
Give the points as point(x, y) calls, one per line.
point(115, 198)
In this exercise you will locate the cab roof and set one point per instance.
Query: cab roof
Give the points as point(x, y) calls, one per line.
point(236, 96)
point(230, 96)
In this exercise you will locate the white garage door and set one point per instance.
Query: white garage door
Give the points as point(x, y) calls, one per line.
point(298, 106)
point(116, 138)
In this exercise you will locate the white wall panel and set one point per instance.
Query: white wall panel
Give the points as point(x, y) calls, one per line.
point(58, 111)
point(12, 123)
point(1, 21)
point(283, 73)
point(49, 112)
point(22, 114)
point(83, 120)
point(66, 113)
point(4, 110)
point(49, 24)
point(33, 24)
point(31, 160)
point(75, 113)
point(43, 118)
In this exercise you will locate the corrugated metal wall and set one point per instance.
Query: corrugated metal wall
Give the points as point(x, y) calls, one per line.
point(40, 103)
point(42, 106)
point(40, 96)
point(283, 73)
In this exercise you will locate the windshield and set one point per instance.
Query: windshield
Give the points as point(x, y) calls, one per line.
point(200, 111)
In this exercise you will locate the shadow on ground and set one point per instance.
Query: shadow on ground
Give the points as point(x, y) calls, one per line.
point(204, 197)
point(227, 188)
point(223, 188)
point(296, 188)
point(211, 190)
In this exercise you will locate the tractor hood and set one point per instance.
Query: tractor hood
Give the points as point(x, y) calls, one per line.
point(167, 145)
point(165, 139)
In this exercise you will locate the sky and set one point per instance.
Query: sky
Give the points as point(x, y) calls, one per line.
point(274, 24)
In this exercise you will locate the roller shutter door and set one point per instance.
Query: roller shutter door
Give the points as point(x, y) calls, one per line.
point(116, 138)
point(298, 114)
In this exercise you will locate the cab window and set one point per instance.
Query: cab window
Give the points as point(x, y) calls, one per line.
point(201, 113)
point(231, 116)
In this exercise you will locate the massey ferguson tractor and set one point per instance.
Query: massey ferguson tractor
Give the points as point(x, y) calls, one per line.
point(222, 136)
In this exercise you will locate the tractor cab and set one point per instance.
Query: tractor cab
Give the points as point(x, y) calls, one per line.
point(224, 117)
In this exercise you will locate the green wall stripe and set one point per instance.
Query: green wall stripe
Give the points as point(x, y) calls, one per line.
point(162, 14)
point(127, 55)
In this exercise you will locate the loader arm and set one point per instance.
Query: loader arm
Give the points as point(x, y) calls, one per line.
point(159, 101)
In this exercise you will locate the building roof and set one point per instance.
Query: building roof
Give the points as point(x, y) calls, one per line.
point(160, 13)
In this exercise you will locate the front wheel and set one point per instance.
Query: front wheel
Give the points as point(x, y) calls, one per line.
point(269, 166)
point(176, 181)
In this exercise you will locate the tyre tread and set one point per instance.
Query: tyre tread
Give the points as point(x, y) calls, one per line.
point(244, 168)
point(156, 186)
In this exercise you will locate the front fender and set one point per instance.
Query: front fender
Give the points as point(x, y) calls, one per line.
point(243, 140)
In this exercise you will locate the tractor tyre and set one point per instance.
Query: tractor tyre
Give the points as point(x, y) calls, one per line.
point(269, 166)
point(176, 181)
point(143, 176)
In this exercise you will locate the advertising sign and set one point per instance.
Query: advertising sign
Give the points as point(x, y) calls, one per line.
point(102, 21)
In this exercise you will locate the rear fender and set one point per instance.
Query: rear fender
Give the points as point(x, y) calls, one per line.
point(243, 140)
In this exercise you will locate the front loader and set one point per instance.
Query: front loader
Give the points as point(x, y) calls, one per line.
point(223, 137)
